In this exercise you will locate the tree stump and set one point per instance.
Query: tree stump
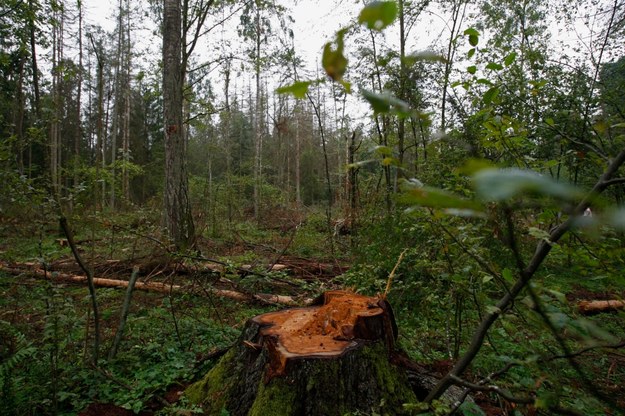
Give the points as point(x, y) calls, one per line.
point(332, 358)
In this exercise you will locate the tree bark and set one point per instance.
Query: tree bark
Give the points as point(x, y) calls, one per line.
point(331, 358)
point(178, 216)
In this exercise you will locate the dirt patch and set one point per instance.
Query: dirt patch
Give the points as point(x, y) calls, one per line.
point(581, 293)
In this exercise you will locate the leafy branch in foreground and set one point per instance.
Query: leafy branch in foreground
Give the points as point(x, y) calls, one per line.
point(526, 273)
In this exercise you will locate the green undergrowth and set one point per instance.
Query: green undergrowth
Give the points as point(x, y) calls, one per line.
point(46, 355)
point(445, 284)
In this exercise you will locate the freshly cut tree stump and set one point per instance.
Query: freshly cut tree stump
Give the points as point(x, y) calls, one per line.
point(332, 358)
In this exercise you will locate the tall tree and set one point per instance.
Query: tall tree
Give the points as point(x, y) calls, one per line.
point(178, 216)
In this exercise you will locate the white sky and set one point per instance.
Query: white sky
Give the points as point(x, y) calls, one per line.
point(315, 22)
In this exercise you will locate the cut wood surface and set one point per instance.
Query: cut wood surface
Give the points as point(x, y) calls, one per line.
point(326, 330)
point(589, 307)
point(335, 357)
point(331, 358)
point(34, 270)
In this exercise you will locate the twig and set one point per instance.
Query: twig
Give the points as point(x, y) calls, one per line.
point(392, 274)
point(89, 273)
point(509, 397)
point(286, 247)
point(567, 352)
point(124, 313)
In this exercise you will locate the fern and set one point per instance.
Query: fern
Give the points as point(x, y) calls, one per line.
point(16, 345)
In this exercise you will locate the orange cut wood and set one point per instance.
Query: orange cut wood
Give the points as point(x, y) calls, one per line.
point(336, 323)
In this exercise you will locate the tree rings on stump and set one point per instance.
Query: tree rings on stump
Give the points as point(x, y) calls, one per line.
point(330, 358)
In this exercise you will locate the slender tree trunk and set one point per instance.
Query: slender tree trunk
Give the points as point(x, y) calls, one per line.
point(18, 120)
point(382, 127)
point(257, 121)
point(99, 145)
point(401, 127)
point(226, 139)
point(178, 217)
point(298, 155)
point(57, 77)
point(35, 73)
point(451, 50)
point(78, 137)
point(126, 88)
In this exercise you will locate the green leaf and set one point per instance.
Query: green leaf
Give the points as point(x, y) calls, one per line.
point(297, 89)
point(346, 85)
point(474, 36)
point(561, 297)
point(616, 218)
point(383, 150)
point(425, 196)
point(509, 59)
point(386, 103)
point(333, 60)
point(538, 233)
point(471, 409)
point(471, 53)
point(490, 95)
point(390, 161)
point(378, 14)
point(503, 184)
point(507, 275)
point(494, 66)
point(471, 69)
point(492, 309)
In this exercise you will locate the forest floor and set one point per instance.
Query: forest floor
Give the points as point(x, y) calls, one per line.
point(173, 336)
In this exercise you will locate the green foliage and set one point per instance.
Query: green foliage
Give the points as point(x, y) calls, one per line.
point(333, 60)
point(377, 15)
point(299, 89)
point(383, 103)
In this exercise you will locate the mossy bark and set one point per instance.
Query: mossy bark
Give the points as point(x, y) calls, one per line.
point(361, 378)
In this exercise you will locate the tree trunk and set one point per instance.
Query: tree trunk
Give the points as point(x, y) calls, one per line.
point(258, 137)
point(78, 136)
point(332, 358)
point(177, 207)
point(35, 75)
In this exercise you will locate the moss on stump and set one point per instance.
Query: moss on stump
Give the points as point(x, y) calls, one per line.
point(331, 358)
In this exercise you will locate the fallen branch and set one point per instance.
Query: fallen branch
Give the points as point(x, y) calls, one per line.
point(265, 298)
point(590, 307)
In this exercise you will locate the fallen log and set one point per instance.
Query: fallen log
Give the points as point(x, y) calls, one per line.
point(265, 298)
point(334, 357)
point(97, 281)
point(590, 307)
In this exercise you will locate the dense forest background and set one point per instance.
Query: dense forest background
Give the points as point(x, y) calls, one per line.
point(464, 158)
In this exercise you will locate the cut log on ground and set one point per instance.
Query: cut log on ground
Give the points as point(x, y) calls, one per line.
point(265, 298)
point(590, 307)
point(332, 358)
